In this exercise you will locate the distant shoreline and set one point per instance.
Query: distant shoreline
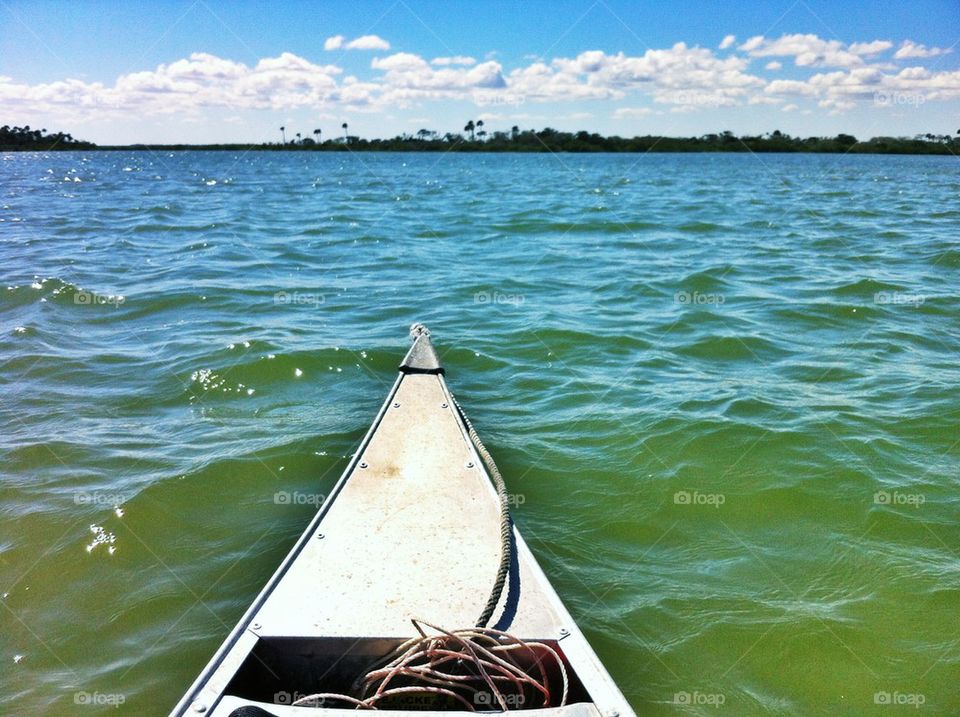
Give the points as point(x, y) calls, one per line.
point(928, 149)
point(944, 152)
point(525, 142)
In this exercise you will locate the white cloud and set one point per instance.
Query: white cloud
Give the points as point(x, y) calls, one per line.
point(368, 42)
point(789, 108)
point(631, 112)
point(727, 41)
point(812, 51)
point(455, 60)
point(764, 100)
point(365, 42)
point(189, 85)
point(790, 87)
point(870, 48)
point(774, 65)
point(806, 50)
point(909, 48)
point(401, 62)
point(840, 90)
point(410, 79)
point(677, 75)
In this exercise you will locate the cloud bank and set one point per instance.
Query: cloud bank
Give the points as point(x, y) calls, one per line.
point(828, 74)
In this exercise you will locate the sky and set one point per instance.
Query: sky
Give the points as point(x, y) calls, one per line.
point(196, 71)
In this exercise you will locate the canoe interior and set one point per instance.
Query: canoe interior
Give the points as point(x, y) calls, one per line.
point(279, 670)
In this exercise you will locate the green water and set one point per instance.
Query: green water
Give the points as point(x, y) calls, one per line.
point(726, 387)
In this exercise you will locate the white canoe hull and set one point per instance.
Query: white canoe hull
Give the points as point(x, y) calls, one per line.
point(411, 530)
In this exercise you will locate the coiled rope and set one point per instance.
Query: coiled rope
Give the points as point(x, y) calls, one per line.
point(473, 668)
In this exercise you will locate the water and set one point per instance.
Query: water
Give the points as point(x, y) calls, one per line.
point(725, 385)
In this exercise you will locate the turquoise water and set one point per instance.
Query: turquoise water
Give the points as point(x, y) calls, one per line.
point(726, 387)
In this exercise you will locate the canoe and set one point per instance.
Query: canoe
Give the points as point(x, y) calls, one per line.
point(377, 604)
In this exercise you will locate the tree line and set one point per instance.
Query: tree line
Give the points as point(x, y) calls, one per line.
point(25, 138)
point(476, 138)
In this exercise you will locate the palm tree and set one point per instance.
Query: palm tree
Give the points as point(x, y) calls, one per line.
point(470, 127)
point(344, 125)
point(480, 132)
point(514, 132)
point(283, 134)
point(298, 139)
point(318, 133)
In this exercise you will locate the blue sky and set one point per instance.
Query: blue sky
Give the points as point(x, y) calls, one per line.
point(198, 71)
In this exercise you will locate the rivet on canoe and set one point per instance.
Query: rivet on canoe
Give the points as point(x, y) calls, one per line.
point(396, 405)
point(363, 464)
point(611, 713)
point(564, 632)
point(469, 464)
point(199, 707)
point(256, 626)
point(319, 536)
point(443, 405)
